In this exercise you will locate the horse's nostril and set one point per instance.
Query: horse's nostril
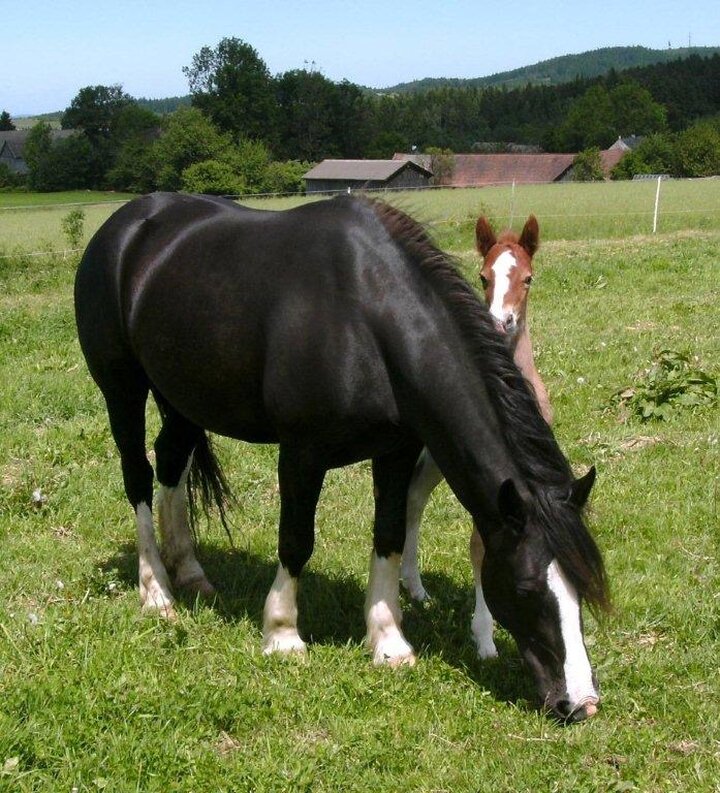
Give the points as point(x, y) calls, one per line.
point(510, 322)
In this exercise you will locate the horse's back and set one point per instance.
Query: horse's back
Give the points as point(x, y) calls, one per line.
point(243, 319)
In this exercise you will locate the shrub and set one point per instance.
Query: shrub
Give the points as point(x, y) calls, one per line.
point(213, 177)
point(72, 226)
point(587, 166)
point(285, 177)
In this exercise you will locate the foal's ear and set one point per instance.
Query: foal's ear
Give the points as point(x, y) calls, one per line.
point(580, 488)
point(530, 237)
point(484, 236)
point(511, 505)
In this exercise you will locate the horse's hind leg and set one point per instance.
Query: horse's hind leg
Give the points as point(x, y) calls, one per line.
point(391, 477)
point(126, 411)
point(173, 453)
point(426, 477)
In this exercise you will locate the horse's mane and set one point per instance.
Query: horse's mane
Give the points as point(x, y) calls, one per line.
point(535, 451)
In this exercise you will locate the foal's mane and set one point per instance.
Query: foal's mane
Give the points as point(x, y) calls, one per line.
point(532, 444)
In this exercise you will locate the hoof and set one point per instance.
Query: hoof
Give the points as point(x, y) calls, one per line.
point(393, 652)
point(486, 652)
point(165, 611)
point(198, 587)
point(284, 643)
point(414, 587)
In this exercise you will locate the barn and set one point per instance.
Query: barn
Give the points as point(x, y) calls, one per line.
point(332, 176)
point(12, 147)
point(484, 170)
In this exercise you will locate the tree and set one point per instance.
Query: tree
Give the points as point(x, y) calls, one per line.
point(189, 137)
point(587, 166)
point(36, 149)
point(698, 150)
point(655, 155)
point(95, 110)
point(6, 123)
point(305, 121)
point(232, 85)
point(635, 112)
point(442, 164)
point(589, 122)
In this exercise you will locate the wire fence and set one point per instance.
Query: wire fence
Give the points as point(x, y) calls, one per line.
point(612, 209)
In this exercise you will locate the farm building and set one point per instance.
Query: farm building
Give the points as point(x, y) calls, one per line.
point(12, 147)
point(482, 170)
point(341, 175)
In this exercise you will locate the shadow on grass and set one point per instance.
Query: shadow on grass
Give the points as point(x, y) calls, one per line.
point(331, 613)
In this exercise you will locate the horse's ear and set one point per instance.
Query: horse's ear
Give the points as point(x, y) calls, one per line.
point(484, 236)
point(530, 237)
point(580, 488)
point(511, 505)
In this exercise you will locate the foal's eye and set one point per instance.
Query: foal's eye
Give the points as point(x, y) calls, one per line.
point(484, 281)
point(528, 280)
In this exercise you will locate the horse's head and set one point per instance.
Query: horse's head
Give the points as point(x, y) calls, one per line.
point(535, 592)
point(507, 272)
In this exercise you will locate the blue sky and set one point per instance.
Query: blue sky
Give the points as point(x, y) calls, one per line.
point(49, 50)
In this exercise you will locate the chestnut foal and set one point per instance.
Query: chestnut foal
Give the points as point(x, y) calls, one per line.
point(506, 275)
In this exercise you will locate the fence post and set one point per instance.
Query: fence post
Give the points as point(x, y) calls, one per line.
point(657, 204)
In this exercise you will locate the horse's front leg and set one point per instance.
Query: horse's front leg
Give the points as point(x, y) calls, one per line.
point(391, 477)
point(426, 477)
point(301, 480)
point(482, 621)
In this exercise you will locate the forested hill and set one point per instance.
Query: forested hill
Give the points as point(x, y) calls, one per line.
point(563, 69)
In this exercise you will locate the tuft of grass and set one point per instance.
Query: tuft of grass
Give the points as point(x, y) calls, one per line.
point(673, 381)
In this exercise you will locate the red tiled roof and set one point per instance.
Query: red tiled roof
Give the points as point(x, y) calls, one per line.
point(473, 170)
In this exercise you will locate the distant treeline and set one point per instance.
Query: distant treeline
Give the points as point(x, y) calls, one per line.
point(242, 129)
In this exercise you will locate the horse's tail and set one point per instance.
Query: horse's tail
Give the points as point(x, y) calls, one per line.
point(207, 481)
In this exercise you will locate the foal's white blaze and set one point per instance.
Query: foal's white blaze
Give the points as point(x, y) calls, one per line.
point(578, 674)
point(178, 549)
point(502, 268)
point(382, 613)
point(280, 633)
point(153, 578)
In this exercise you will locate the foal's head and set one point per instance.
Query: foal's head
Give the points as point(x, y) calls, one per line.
point(507, 272)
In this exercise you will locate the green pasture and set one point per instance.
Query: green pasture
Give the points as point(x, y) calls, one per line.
point(565, 210)
point(94, 696)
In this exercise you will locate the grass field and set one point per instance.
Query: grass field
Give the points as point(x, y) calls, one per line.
point(94, 696)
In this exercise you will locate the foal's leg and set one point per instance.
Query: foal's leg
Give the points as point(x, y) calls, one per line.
point(482, 621)
point(301, 480)
point(173, 449)
point(126, 410)
point(426, 477)
point(391, 476)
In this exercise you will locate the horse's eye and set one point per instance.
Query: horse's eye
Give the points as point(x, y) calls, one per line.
point(528, 280)
point(484, 281)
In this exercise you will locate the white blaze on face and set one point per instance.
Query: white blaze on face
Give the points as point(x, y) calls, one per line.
point(502, 268)
point(578, 674)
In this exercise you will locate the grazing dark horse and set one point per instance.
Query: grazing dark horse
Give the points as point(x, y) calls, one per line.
point(338, 331)
point(506, 274)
